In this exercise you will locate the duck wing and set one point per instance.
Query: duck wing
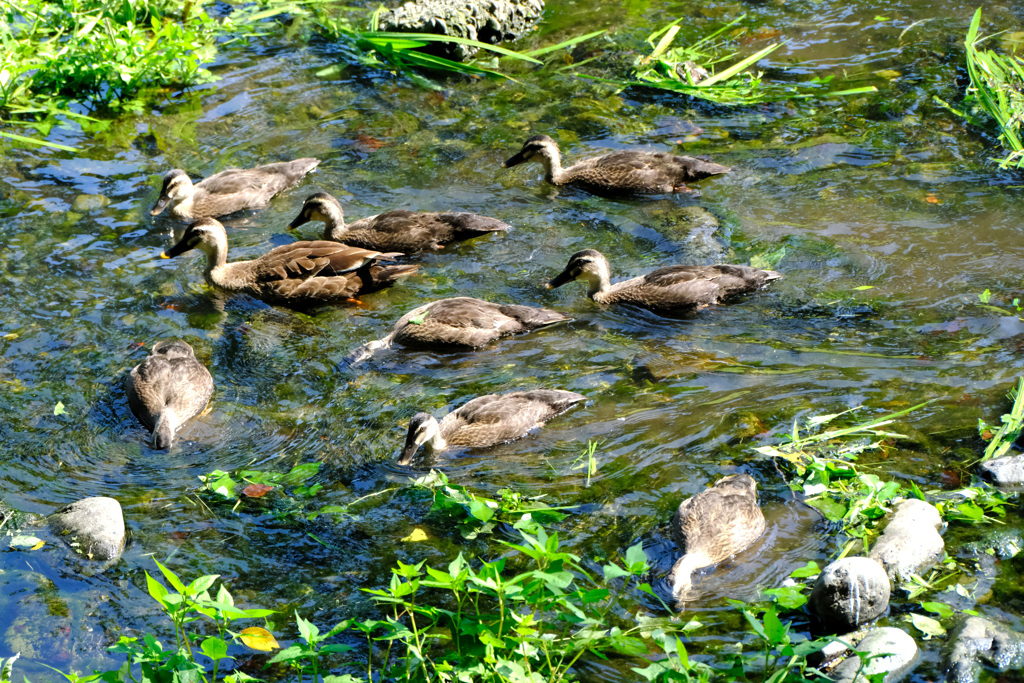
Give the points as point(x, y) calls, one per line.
point(643, 172)
point(718, 521)
point(695, 286)
point(232, 181)
point(316, 259)
point(469, 322)
point(492, 419)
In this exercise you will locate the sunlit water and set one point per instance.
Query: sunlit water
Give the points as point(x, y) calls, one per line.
point(885, 191)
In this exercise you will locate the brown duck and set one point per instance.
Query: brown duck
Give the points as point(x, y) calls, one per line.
point(299, 274)
point(232, 190)
point(168, 389)
point(460, 323)
point(714, 525)
point(400, 230)
point(624, 172)
point(675, 288)
point(486, 421)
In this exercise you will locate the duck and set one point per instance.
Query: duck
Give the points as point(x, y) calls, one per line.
point(299, 274)
point(399, 230)
point(486, 421)
point(665, 290)
point(231, 190)
point(623, 172)
point(460, 323)
point(714, 525)
point(168, 389)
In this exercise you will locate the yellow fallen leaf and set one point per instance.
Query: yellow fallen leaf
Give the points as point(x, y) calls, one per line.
point(37, 546)
point(259, 639)
point(416, 536)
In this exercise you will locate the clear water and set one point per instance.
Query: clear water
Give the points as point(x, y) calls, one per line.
point(886, 190)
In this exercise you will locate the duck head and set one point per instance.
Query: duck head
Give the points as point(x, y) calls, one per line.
point(177, 187)
point(173, 349)
point(536, 148)
point(206, 233)
point(319, 207)
point(423, 429)
point(589, 265)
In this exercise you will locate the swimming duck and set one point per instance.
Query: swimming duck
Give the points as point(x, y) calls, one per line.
point(714, 525)
point(299, 274)
point(168, 389)
point(460, 323)
point(228, 191)
point(486, 421)
point(400, 230)
point(627, 171)
point(675, 288)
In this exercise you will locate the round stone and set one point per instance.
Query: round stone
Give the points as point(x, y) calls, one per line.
point(850, 592)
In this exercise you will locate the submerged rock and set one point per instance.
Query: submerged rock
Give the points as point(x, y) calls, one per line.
point(911, 542)
point(93, 527)
point(486, 21)
point(888, 651)
point(1005, 471)
point(84, 203)
point(975, 640)
point(850, 592)
point(698, 231)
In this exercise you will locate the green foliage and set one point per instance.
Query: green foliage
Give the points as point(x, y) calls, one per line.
point(689, 69)
point(996, 90)
point(6, 668)
point(587, 460)
point(474, 514)
point(1001, 439)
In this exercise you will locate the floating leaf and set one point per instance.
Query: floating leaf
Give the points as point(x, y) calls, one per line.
point(37, 546)
point(59, 409)
point(259, 639)
point(926, 625)
point(256, 490)
point(940, 608)
point(863, 287)
point(418, 535)
point(25, 542)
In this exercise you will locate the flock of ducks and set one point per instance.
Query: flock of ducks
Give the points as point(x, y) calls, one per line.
point(171, 386)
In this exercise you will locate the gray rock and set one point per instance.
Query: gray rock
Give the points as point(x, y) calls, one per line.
point(1006, 471)
point(850, 592)
point(486, 21)
point(93, 527)
point(697, 231)
point(888, 651)
point(911, 542)
point(975, 640)
point(84, 203)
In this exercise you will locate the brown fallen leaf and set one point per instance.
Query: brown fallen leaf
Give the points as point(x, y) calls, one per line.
point(367, 143)
point(256, 490)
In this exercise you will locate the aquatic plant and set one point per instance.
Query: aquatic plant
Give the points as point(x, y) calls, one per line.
point(690, 70)
point(1001, 439)
point(995, 94)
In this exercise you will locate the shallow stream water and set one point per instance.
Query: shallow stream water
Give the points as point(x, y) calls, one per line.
point(886, 190)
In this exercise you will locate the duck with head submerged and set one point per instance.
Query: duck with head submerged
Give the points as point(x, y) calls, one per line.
point(168, 389)
point(299, 274)
point(712, 526)
point(623, 172)
point(228, 191)
point(486, 421)
point(399, 230)
point(671, 289)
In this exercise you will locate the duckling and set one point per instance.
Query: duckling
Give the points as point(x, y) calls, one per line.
point(486, 421)
point(168, 389)
point(228, 191)
point(627, 171)
point(675, 288)
point(714, 525)
point(460, 323)
point(400, 230)
point(299, 274)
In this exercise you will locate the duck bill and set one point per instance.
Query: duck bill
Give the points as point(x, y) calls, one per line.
point(301, 219)
point(514, 161)
point(178, 249)
point(408, 453)
point(560, 279)
point(160, 205)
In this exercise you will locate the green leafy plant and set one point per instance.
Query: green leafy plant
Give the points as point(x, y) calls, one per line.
point(690, 69)
point(587, 460)
point(1001, 439)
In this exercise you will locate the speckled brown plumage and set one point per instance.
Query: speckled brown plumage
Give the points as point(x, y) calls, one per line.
point(168, 389)
point(400, 230)
point(487, 420)
point(228, 191)
point(460, 323)
point(671, 289)
point(627, 171)
point(299, 274)
point(714, 525)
